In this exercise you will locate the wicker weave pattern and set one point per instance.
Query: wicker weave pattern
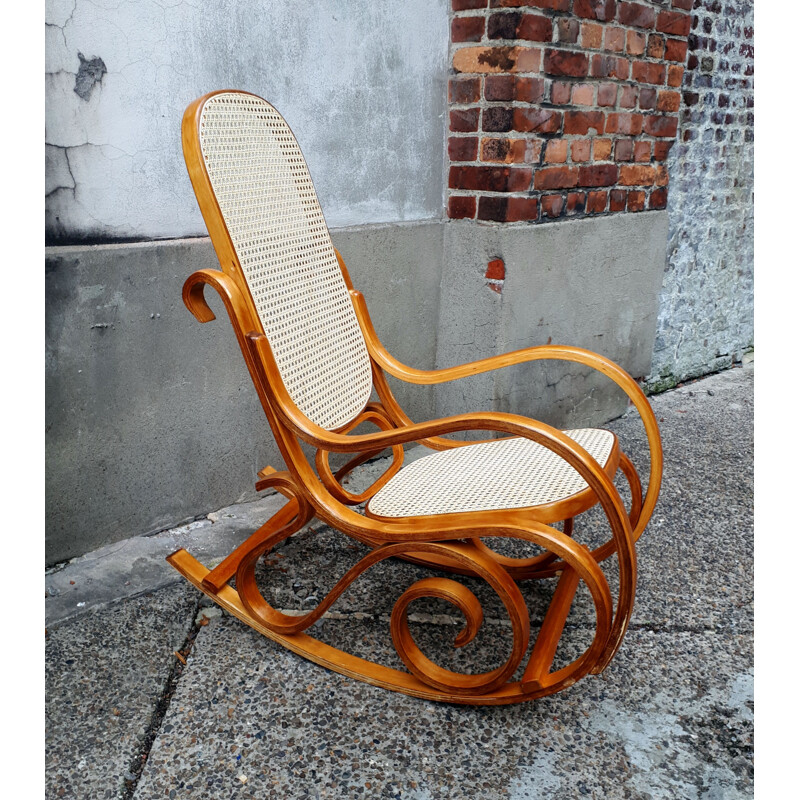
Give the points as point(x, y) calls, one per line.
point(269, 204)
point(506, 473)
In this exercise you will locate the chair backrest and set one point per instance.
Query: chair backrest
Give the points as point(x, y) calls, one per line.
point(270, 208)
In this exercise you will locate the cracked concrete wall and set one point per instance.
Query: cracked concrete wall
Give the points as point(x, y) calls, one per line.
point(362, 83)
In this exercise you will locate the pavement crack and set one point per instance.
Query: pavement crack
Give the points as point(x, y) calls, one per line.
point(139, 760)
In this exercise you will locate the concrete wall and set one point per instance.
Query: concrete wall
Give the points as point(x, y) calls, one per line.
point(151, 418)
point(588, 283)
point(362, 83)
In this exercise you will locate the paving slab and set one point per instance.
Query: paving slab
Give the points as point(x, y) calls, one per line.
point(105, 675)
point(251, 720)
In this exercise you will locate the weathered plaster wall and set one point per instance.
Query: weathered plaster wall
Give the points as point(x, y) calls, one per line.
point(705, 318)
point(362, 83)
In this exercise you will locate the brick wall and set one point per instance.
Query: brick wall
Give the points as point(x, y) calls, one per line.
point(706, 306)
point(563, 107)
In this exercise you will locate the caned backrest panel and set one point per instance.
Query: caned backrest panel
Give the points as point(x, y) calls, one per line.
point(270, 207)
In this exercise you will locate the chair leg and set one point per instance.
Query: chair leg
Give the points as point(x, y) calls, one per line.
point(544, 650)
point(224, 571)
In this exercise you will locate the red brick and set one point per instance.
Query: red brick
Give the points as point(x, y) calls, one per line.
point(655, 46)
point(661, 150)
point(610, 67)
point(637, 42)
point(615, 39)
point(647, 72)
point(674, 23)
point(669, 101)
point(537, 120)
point(641, 151)
point(602, 149)
point(461, 207)
point(467, 29)
point(661, 126)
point(568, 30)
point(596, 202)
point(675, 75)
point(496, 59)
point(576, 202)
point(591, 36)
point(647, 98)
point(602, 10)
point(623, 150)
point(552, 205)
point(630, 124)
point(490, 179)
point(636, 15)
point(528, 90)
point(496, 270)
point(658, 198)
point(629, 96)
point(598, 175)
point(509, 87)
point(686, 5)
point(560, 92)
point(583, 94)
point(556, 151)
point(581, 122)
point(636, 175)
point(618, 197)
point(464, 119)
point(462, 148)
point(511, 151)
point(555, 178)
point(676, 50)
point(522, 209)
point(464, 90)
point(534, 28)
point(636, 200)
point(503, 26)
point(498, 87)
point(497, 119)
point(566, 62)
point(468, 5)
point(552, 5)
point(662, 176)
point(607, 94)
point(493, 209)
point(581, 150)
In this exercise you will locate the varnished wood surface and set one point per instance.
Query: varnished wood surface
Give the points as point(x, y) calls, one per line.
point(458, 543)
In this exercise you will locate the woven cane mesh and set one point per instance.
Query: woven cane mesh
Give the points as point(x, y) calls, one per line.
point(269, 204)
point(506, 473)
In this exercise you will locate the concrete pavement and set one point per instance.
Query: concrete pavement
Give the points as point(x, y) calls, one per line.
point(672, 717)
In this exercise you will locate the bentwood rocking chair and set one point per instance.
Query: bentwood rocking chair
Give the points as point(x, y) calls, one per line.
point(315, 361)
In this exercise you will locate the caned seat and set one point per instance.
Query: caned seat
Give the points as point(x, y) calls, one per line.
point(320, 373)
point(500, 474)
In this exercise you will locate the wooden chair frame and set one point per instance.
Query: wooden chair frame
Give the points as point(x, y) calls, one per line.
point(449, 542)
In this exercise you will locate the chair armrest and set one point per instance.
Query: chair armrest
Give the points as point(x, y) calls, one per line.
point(540, 353)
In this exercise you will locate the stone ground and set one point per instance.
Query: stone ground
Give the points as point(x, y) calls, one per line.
point(672, 717)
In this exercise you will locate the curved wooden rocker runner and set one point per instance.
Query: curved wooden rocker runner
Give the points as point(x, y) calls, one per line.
point(315, 361)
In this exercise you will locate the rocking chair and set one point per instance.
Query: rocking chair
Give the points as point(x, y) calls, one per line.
point(315, 360)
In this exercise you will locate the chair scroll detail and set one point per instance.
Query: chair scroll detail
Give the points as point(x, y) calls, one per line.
point(315, 361)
